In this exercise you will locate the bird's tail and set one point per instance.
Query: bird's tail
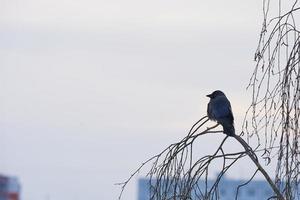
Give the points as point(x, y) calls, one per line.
point(228, 129)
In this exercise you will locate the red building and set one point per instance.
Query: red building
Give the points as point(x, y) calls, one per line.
point(9, 188)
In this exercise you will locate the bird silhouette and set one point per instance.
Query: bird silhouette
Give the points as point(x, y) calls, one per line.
point(219, 109)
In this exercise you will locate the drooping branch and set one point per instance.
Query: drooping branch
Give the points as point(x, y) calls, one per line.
point(253, 157)
point(273, 116)
point(174, 174)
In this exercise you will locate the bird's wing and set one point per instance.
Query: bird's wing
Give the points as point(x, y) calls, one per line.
point(222, 108)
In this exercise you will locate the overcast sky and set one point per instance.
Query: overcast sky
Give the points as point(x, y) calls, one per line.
point(91, 89)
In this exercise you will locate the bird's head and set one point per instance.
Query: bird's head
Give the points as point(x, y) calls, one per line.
point(215, 94)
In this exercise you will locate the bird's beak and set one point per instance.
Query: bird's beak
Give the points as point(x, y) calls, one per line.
point(209, 95)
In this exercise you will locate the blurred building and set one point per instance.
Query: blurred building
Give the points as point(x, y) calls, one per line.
point(255, 190)
point(9, 188)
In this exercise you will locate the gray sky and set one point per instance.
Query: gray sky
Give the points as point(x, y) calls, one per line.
point(90, 89)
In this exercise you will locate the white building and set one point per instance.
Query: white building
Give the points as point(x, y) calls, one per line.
point(255, 190)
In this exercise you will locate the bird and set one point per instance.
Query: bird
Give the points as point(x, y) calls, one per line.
point(219, 109)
